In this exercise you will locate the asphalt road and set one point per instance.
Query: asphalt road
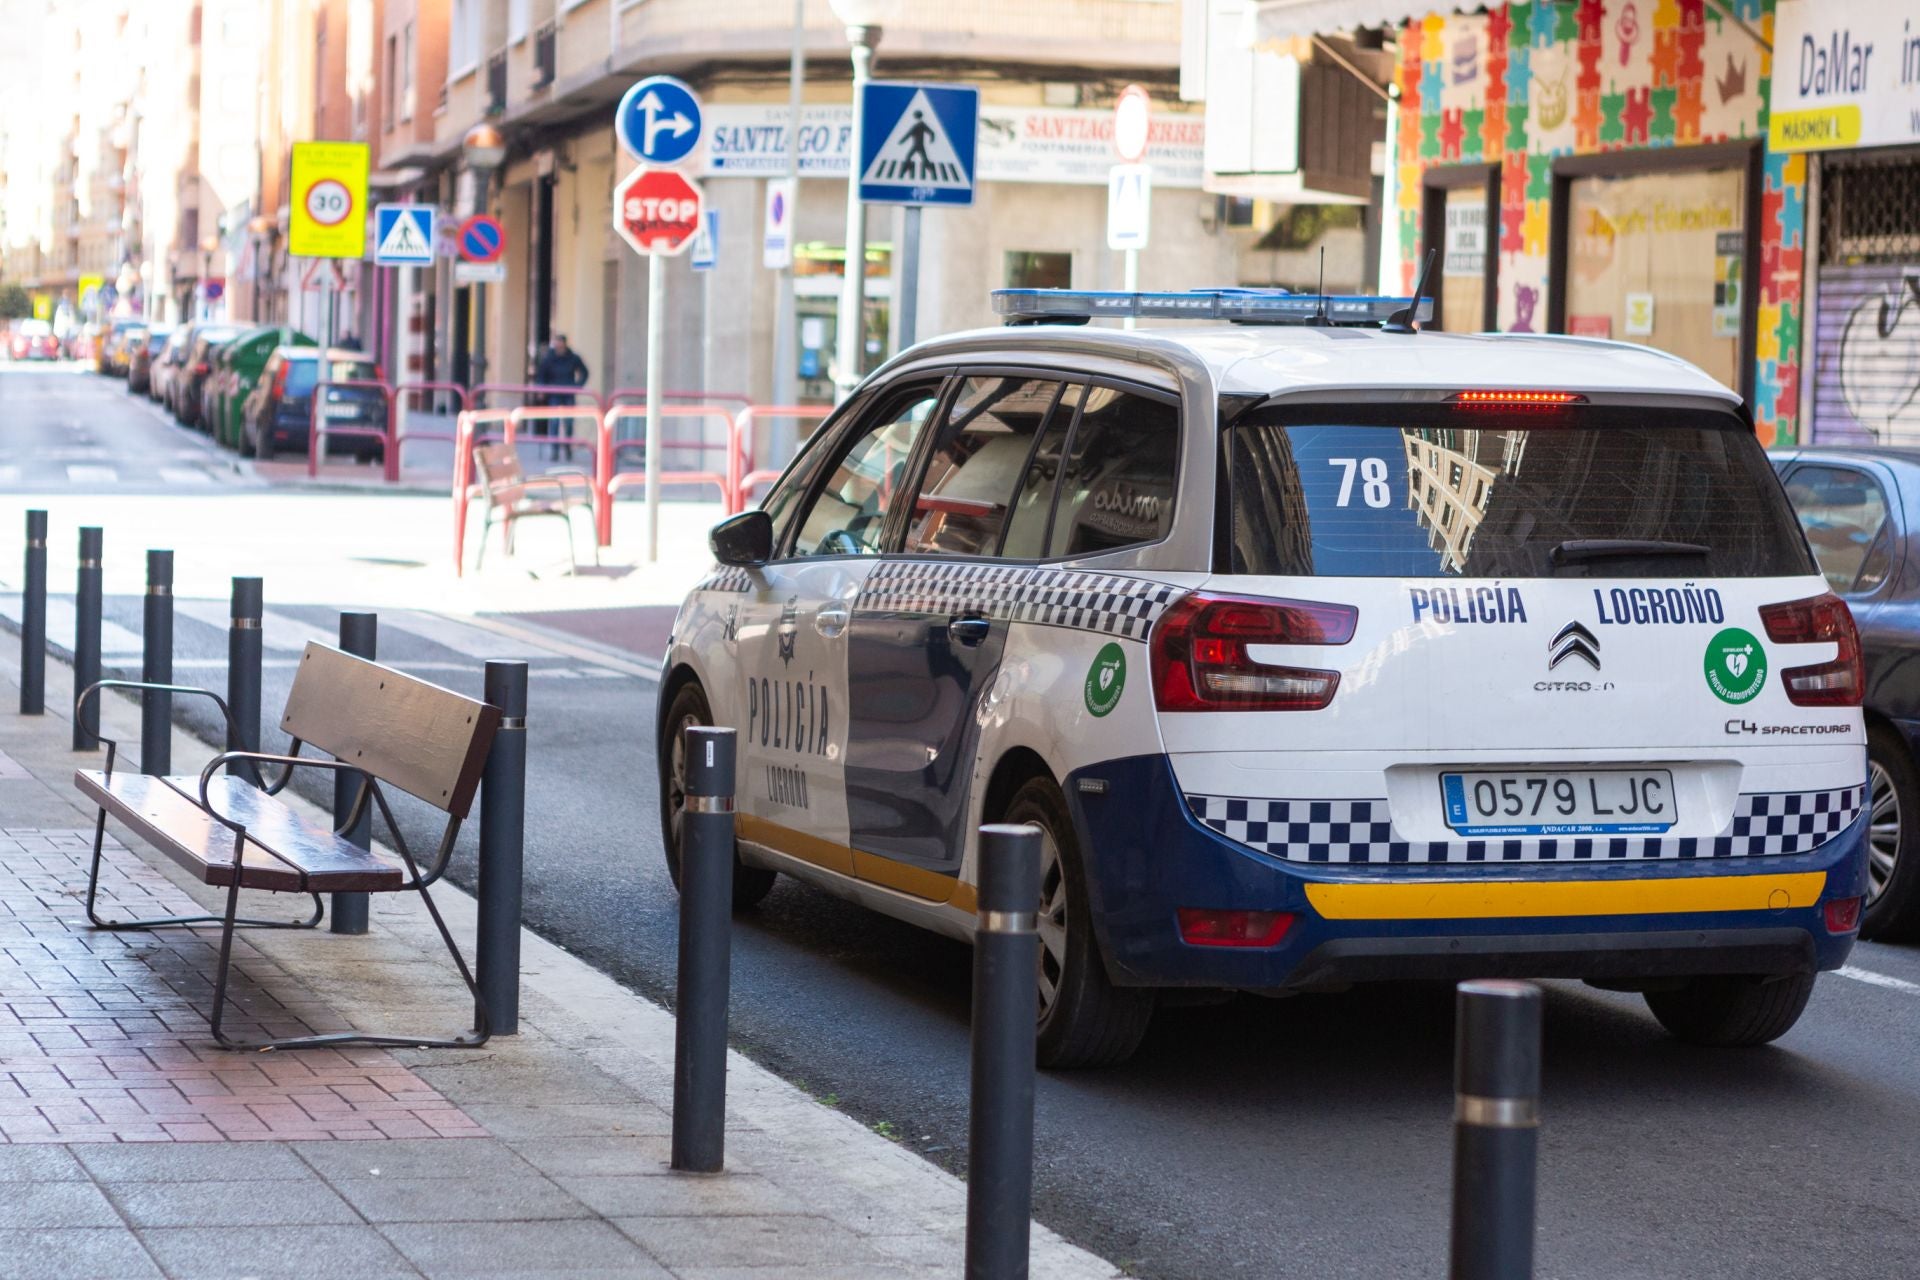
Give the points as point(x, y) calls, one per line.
point(1308, 1137)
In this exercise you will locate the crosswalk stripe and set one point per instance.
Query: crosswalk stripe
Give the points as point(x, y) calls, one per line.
point(78, 474)
point(475, 642)
point(185, 475)
point(9, 475)
point(61, 617)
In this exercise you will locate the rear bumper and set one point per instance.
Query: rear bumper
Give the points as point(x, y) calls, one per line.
point(1147, 856)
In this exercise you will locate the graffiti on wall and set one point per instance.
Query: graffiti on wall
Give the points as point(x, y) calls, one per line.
point(1868, 339)
point(1519, 84)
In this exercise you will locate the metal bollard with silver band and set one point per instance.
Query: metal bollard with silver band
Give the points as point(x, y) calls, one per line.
point(1496, 1129)
point(156, 667)
point(706, 941)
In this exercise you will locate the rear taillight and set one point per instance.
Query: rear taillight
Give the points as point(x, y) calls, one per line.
point(200, 369)
point(280, 381)
point(1200, 927)
point(1203, 661)
point(1838, 683)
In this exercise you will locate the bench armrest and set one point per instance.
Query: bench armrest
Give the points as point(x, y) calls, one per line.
point(560, 480)
point(92, 690)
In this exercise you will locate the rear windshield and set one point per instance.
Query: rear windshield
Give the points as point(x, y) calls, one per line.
point(1442, 491)
point(303, 374)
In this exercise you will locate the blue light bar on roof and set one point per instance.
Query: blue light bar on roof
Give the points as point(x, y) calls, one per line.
point(1242, 306)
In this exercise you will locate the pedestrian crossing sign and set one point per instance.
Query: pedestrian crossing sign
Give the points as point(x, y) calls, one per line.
point(403, 235)
point(917, 142)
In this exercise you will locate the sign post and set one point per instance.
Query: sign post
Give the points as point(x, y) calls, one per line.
point(658, 211)
point(1130, 183)
point(918, 148)
point(328, 212)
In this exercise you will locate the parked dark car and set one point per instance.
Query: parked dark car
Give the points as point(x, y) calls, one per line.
point(145, 355)
point(116, 342)
point(1860, 508)
point(192, 378)
point(168, 363)
point(236, 372)
point(277, 414)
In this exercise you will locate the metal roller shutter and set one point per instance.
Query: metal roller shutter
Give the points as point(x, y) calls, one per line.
point(1867, 308)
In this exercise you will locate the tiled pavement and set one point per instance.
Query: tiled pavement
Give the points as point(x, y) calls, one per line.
point(103, 1036)
point(133, 1148)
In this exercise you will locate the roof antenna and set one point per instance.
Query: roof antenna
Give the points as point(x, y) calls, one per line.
point(1406, 318)
point(1320, 315)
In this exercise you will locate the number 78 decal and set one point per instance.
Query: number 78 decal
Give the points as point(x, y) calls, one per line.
point(1373, 481)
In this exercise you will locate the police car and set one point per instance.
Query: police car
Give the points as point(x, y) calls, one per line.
point(1320, 650)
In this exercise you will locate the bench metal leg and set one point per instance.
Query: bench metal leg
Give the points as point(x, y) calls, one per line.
point(473, 1040)
point(169, 922)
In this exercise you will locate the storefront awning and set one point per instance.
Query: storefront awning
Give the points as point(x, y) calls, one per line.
point(1297, 19)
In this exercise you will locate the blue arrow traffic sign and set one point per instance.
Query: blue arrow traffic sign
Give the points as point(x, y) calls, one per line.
point(403, 235)
point(659, 120)
point(917, 143)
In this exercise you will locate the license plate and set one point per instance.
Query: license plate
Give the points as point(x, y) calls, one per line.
point(340, 411)
point(1560, 802)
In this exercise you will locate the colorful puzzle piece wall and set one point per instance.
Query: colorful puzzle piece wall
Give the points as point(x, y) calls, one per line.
point(1520, 84)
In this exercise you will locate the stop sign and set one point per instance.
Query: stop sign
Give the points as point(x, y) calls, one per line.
point(657, 210)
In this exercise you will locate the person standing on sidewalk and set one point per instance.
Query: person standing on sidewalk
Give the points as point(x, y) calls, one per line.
point(559, 366)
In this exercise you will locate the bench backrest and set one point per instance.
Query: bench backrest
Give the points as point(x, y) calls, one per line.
point(429, 742)
point(501, 475)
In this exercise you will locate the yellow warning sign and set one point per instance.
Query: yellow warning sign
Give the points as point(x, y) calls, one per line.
point(329, 200)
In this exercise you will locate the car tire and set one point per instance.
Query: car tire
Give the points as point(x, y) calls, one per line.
point(1893, 829)
point(1730, 1012)
point(1085, 1021)
point(689, 707)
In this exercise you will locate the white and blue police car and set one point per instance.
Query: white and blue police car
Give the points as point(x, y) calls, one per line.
point(1320, 650)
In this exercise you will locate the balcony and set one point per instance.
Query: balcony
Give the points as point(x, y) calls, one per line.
point(497, 83)
point(544, 56)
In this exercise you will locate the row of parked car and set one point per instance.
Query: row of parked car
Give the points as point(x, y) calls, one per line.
point(250, 387)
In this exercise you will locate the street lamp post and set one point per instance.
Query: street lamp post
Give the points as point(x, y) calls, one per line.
point(863, 19)
point(485, 149)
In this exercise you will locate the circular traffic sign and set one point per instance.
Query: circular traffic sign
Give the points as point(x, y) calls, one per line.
point(482, 238)
point(1130, 120)
point(659, 120)
point(657, 211)
point(329, 202)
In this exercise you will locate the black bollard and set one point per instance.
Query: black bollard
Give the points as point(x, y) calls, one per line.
point(156, 667)
point(503, 824)
point(243, 674)
point(1496, 1129)
point(1006, 1005)
point(706, 929)
point(359, 633)
point(86, 642)
point(33, 619)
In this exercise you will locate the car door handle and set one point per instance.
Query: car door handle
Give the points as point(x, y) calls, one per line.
point(968, 628)
point(831, 621)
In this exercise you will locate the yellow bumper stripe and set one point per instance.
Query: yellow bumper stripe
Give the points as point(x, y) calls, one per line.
point(1482, 899)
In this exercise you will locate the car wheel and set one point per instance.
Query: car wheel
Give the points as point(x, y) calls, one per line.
point(689, 708)
point(1893, 826)
point(1732, 1011)
point(1085, 1021)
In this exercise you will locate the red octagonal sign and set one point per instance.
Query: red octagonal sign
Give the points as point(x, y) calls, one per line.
point(657, 210)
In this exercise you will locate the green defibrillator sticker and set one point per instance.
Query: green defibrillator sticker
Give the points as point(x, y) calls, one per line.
point(1106, 678)
point(1736, 666)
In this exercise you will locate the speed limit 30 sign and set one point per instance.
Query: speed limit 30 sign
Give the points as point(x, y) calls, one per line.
point(329, 200)
point(657, 211)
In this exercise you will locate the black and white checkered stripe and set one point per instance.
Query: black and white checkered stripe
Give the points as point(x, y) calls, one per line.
point(1361, 831)
point(726, 578)
point(1080, 600)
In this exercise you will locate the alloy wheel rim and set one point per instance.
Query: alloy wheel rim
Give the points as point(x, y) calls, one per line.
point(677, 778)
point(1052, 922)
point(1883, 829)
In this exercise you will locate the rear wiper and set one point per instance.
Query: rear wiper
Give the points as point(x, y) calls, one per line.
point(1575, 550)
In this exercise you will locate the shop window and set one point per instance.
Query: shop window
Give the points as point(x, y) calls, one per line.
point(1658, 259)
point(1032, 270)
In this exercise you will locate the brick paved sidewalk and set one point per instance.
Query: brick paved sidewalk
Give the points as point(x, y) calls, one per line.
point(131, 1147)
point(103, 1036)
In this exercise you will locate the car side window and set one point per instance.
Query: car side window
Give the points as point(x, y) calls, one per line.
point(977, 462)
point(1117, 479)
point(1844, 514)
point(847, 515)
point(1026, 537)
point(790, 488)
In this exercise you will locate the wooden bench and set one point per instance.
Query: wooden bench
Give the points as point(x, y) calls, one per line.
point(511, 495)
point(383, 727)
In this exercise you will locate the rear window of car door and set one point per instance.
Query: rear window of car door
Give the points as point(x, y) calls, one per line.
point(1844, 514)
point(1118, 474)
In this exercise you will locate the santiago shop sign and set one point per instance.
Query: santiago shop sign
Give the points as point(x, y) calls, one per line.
point(1017, 144)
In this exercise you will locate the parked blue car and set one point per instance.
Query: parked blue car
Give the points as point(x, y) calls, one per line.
point(1860, 508)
